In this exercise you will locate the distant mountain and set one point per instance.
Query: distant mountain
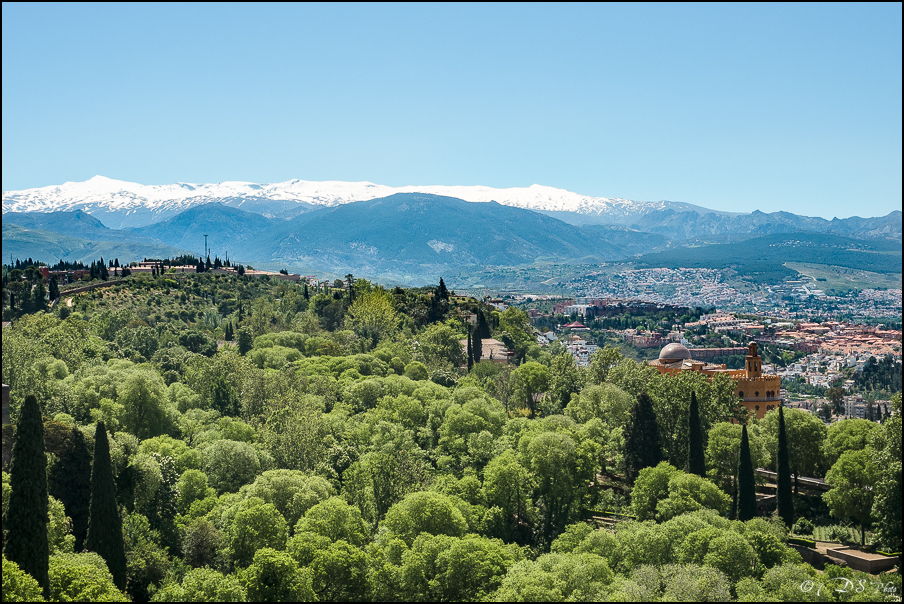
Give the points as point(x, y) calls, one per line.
point(230, 231)
point(125, 204)
point(412, 237)
point(764, 257)
point(691, 224)
point(77, 224)
point(20, 242)
point(404, 235)
point(413, 232)
point(119, 204)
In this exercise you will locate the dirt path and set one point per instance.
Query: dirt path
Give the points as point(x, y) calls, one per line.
point(69, 302)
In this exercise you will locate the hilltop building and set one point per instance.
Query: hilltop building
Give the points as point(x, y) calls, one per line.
point(759, 393)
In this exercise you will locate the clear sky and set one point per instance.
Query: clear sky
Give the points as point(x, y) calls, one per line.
point(733, 107)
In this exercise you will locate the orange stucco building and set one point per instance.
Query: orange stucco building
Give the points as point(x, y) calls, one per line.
point(759, 393)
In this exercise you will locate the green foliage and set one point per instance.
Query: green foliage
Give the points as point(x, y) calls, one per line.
point(292, 492)
point(230, 464)
point(449, 569)
point(853, 478)
point(59, 528)
point(663, 492)
point(556, 577)
point(563, 467)
point(203, 585)
point(245, 340)
point(26, 513)
point(425, 512)
point(439, 348)
point(274, 576)
point(338, 569)
point(82, 578)
point(256, 525)
point(147, 562)
point(18, 585)
point(805, 437)
point(723, 451)
point(451, 489)
point(887, 457)
point(336, 520)
point(200, 542)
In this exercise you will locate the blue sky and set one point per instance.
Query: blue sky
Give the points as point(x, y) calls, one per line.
point(733, 107)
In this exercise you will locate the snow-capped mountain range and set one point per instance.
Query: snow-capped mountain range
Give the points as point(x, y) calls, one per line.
point(124, 204)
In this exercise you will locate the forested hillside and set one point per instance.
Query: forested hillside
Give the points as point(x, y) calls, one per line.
point(270, 441)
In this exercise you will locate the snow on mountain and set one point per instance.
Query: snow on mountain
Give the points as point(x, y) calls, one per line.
point(107, 196)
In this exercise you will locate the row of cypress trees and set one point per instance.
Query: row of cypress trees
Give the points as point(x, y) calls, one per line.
point(644, 450)
point(26, 517)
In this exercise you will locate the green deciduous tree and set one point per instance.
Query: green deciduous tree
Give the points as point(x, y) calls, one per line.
point(724, 447)
point(18, 585)
point(805, 437)
point(846, 435)
point(203, 585)
point(507, 488)
point(26, 514)
point(143, 397)
point(82, 578)
point(372, 315)
point(532, 379)
point(438, 347)
point(887, 457)
point(200, 541)
point(563, 466)
point(104, 524)
point(230, 464)
point(853, 479)
point(425, 512)
point(256, 525)
point(336, 520)
point(556, 578)
point(274, 576)
point(449, 569)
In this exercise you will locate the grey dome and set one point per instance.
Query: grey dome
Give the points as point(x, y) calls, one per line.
point(674, 352)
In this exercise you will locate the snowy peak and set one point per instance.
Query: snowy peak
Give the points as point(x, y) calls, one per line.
point(108, 194)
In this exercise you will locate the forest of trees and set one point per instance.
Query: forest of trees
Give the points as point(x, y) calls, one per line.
point(210, 437)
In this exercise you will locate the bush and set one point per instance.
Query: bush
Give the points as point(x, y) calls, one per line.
point(18, 585)
point(803, 527)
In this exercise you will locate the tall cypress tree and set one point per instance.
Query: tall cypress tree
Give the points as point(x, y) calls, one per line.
point(642, 445)
point(483, 329)
point(746, 482)
point(67, 483)
point(696, 463)
point(26, 516)
point(104, 523)
point(783, 495)
point(477, 344)
point(470, 350)
point(54, 288)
